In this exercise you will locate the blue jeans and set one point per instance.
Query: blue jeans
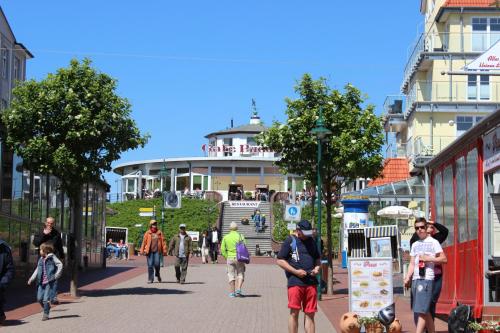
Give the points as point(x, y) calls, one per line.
point(257, 225)
point(53, 291)
point(110, 249)
point(43, 296)
point(153, 265)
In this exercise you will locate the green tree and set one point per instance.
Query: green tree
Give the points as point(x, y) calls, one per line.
point(73, 125)
point(352, 150)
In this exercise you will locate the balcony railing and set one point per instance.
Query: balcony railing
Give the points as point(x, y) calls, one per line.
point(457, 91)
point(439, 42)
point(419, 146)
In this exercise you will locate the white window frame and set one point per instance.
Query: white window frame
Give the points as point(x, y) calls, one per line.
point(478, 88)
point(487, 32)
point(475, 120)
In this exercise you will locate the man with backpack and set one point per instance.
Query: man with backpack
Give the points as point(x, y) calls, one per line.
point(300, 258)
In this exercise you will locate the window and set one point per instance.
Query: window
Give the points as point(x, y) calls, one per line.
point(477, 91)
point(461, 195)
point(448, 203)
point(485, 32)
point(472, 194)
point(5, 62)
point(251, 141)
point(464, 123)
point(228, 142)
point(17, 69)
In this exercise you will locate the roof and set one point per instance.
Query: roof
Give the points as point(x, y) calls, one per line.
point(395, 169)
point(469, 3)
point(248, 128)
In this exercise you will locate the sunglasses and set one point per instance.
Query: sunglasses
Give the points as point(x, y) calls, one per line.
point(421, 227)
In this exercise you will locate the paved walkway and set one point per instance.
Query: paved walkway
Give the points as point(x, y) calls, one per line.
point(201, 304)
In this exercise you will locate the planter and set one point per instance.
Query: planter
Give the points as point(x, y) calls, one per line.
point(374, 328)
point(487, 331)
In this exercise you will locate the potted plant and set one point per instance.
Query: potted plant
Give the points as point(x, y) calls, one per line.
point(485, 326)
point(371, 324)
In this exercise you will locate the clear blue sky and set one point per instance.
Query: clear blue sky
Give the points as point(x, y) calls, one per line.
point(188, 67)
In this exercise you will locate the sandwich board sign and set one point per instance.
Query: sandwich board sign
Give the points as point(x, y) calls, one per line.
point(292, 213)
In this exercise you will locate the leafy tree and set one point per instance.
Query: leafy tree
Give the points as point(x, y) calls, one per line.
point(73, 125)
point(352, 150)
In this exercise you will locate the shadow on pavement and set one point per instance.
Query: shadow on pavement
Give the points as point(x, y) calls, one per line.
point(64, 317)
point(133, 291)
point(250, 296)
point(13, 323)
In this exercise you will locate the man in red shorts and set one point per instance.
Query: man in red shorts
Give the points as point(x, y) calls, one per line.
point(300, 259)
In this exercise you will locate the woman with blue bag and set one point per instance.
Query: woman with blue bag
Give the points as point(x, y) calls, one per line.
point(233, 248)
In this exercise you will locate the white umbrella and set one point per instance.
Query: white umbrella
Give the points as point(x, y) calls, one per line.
point(395, 212)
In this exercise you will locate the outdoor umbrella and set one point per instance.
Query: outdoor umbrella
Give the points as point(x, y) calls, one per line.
point(395, 212)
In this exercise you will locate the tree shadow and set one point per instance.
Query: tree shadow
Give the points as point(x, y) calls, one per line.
point(64, 317)
point(133, 291)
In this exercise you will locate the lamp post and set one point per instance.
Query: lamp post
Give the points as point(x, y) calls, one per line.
point(163, 174)
point(320, 132)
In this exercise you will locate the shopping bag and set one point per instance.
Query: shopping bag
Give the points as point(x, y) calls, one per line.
point(242, 254)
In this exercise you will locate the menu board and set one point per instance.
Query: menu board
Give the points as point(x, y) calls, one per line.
point(370, 285)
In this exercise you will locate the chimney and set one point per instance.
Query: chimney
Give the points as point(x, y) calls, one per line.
point(232, 123)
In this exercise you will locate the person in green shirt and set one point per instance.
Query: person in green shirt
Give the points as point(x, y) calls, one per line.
point(235, 269)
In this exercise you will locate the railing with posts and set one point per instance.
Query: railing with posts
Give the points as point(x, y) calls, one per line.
point(443, 42)
point(455, 91)
point(419, 146)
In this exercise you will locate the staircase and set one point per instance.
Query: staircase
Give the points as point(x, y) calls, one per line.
point(236, 214)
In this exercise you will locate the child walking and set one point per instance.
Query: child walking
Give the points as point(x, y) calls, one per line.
point(48, 270)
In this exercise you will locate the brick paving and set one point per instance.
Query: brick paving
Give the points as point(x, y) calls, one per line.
point(200, 304)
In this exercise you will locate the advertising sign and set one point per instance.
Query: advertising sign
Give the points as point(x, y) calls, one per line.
point(489, 60)
point(352, 221)
point(491, 150)
point(381, 247)
point(292, 213)
point(252, 204)
point(195, 235)
point(370, 285)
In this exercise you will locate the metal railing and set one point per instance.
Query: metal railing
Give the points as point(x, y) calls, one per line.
point(419, 146)
point(456, 42)
point(456, 91)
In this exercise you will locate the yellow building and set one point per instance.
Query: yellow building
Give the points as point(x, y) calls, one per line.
point(437, 107)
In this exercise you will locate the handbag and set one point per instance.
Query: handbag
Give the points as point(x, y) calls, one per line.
point(242, 254)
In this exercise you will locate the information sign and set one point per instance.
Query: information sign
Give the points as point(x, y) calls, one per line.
point(292, 213)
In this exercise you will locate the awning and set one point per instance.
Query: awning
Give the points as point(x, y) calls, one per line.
point(381, 231)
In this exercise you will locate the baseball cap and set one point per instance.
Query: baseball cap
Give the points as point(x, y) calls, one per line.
point(306, 227)
point(182, 226)
point(152, 222)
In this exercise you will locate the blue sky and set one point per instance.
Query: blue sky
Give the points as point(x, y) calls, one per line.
point(188, 67)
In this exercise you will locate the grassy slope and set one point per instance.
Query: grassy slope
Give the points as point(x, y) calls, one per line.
point(193, 213)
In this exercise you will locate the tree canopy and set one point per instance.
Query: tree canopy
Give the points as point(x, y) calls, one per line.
point(72, 124)
point(352, 150)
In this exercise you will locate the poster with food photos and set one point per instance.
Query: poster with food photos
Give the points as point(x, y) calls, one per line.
point(370, 285)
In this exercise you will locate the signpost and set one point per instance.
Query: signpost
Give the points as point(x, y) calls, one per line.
point(292, 214)
point(148, 211)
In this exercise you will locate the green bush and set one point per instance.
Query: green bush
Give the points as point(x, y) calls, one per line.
point(196, 214)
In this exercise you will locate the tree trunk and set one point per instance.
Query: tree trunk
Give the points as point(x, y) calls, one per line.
point(76, 218)
point(329, 284)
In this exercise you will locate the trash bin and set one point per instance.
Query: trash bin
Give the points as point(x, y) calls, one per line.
point(131, 249)
point(324, 270)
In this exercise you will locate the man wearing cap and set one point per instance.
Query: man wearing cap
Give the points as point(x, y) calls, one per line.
point(300, 259)
point(153, 245)
point(181, 247)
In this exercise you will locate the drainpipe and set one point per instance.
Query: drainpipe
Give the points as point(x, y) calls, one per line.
point(431, 131)
point(451, 79)
point(461, 30)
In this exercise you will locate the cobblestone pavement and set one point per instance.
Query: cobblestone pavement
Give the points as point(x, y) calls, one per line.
point(202, 304)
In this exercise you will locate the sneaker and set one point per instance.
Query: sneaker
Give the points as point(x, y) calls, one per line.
point(45, 317)
point(55, 301)
point(232, 295)
point(239, 293)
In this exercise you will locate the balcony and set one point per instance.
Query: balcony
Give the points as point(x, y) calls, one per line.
point(480, 96)
point(435, 44)
point(419, 149)
point(394, 118)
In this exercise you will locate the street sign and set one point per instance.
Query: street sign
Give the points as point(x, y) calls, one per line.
point(292, 213)
point(291, 226)
point(146, 211)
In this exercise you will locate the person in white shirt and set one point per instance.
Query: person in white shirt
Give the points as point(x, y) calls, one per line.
point(214, 240)
point(425, 253)
point(205, 247)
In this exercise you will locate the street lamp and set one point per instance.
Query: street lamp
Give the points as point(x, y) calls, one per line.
point(320, 132)
point(163, 174)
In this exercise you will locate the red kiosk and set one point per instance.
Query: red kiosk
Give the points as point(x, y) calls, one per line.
point(465, 186)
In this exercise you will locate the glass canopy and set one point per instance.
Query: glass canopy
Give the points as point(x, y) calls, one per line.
point(404, 190)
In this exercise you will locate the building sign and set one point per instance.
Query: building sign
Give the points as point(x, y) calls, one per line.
point(491, 150)
point(489, 60)
point(195, 235)
point(244, 204)
point(370, 285)
point(292, 213)
point(242, 149)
